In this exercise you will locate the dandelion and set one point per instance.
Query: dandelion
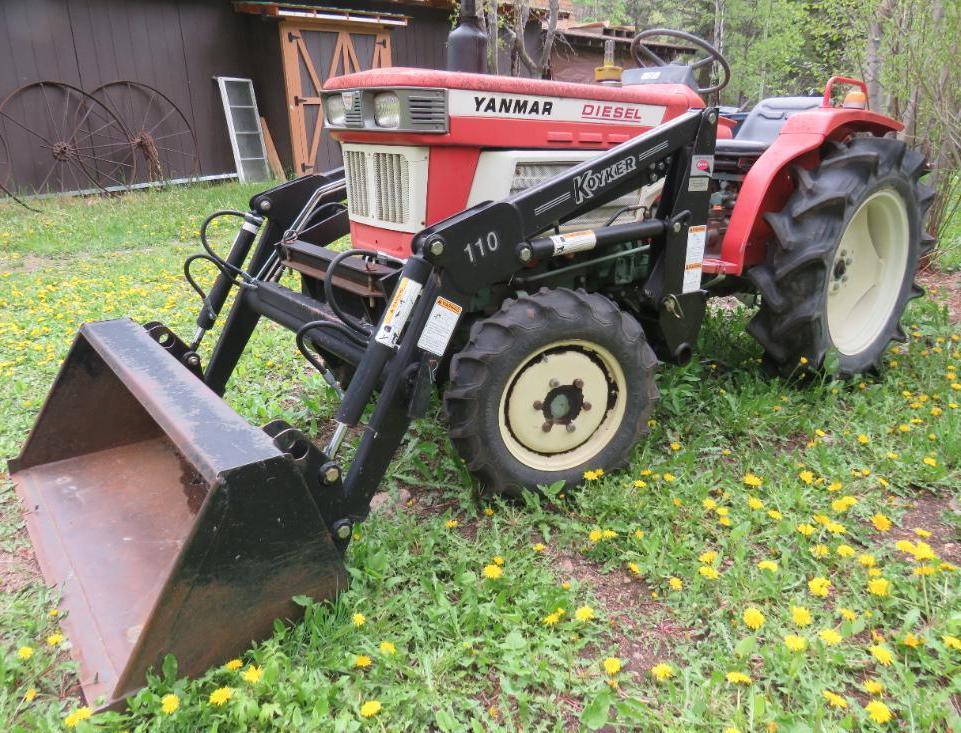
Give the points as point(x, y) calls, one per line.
point(169, 703)
point(881, 523)
point(253, 674)
point(595, 535)
point(551, 619)
point(77, 716)
point(805, 529)
point(497, 560)
point(53, 612)
point(800, 616)
point(929, 461)
point(738, 678)
point(819, 587)
point(451, 524)
point(233, 665)
point(923, 551)
point(807, 477)
point(879, 586)
point(593, 475)
point(863, 439)
point(55, 639)
point(584, 613)
point(830, 637)
point(768, 565)
point(612, 665)
point(847, 614)
point(820, 551)
point(873, 687)
point(882, 654)
point(662, 671)
point(358, 619)
point(362, 661)
point(709, 504)
point(867, 560)
point(492, 572)
point(834, 700)
point(25, 652)
point(30, 694)
point(835, 486)
point(488, 511)
point(708, 557)
point(675, 446)
point(709, 572)
point(878, 712)
point(370, 708)
point(754, 480)
point(795, 643)
point(754, 503)
point(675, 583)
point(753, 618)
point(387, 648)
point(538, 547)
point(221, 695)
point(775, 514)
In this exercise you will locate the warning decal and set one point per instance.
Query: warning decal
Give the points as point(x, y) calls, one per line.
point(566, 244)
point(696, 238)
point(395, 318)
point(440, 326)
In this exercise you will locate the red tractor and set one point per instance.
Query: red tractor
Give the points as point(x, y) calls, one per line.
point(527, 248)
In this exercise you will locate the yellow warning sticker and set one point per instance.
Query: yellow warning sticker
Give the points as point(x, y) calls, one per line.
point(440, 326)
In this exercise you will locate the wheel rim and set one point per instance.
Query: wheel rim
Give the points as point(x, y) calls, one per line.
point(562, 405)
point(867, 273)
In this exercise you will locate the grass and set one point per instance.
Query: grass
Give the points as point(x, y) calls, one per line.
point(835, 483)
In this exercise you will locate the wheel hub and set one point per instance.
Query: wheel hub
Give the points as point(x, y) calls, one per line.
point(62, 151)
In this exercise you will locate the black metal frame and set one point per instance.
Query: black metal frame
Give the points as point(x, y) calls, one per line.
point(485, 245)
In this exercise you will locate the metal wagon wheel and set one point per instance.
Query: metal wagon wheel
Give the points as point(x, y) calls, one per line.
point(159, 131)
point(5, 190)
point(61, 139)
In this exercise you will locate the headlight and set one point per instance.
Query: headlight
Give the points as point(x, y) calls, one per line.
point(336, 112)
point(387, 110)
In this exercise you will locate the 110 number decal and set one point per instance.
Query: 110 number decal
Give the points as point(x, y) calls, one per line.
point(482, 245)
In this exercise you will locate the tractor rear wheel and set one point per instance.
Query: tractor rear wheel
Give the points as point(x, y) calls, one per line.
point(840, 266)
point(552, 385)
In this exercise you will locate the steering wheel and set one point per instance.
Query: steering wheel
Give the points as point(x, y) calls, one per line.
point(644, 56)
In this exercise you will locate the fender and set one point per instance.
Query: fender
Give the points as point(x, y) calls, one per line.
point(768, 184)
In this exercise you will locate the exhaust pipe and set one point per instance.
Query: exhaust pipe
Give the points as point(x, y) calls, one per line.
point(467, 43)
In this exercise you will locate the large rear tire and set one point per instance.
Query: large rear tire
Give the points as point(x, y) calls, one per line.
point(840, 265)
point(552, 385)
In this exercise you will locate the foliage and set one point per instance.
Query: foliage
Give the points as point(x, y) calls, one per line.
point(738, 470)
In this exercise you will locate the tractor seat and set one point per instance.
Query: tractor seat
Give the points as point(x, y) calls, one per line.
point(763, 124)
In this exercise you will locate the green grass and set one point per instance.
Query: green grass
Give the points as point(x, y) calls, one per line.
point(473, 653)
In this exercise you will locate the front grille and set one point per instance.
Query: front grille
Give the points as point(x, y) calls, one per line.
point(354, 116)
point(391, 187)
point(427, 109)
point(530, 174)
point(355, 168)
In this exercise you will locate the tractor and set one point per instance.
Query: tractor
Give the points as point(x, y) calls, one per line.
point(528, 249)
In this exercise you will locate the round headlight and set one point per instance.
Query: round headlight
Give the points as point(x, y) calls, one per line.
point(387, 110)
point(336, 113)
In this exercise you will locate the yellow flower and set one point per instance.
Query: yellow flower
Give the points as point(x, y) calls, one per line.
point(387, 648)
point(370, 708)
point(253, 674)
point(835, 486)
point(767, 565)
point(806, 529)
point(77, 716)
point(493, 572)
point(753, 618)
point(820, 551)
point(738, 678)
point(863, 439)
point(795, 643)
point(807, 477)
point(53, 612)
point(497, 560)
point(358, 619)
point(867, 561)
point(675, 583)
point(169, 703)
point(879, 712)
point(25, 652)
point(922, 533)
point(912, 640)
point(775, 514)
point(595, 535)
point(594, 475)
point(800, 616)
point(608, 534)
point(233, 665)
point(221, 695)
point(881, 523)
point(834, 700)
point(873, 687)
point(754, 503)
point(662, 671)
point(879, 586)
point(753, 480)
point(923, 551)
point(675, 446)
point(538, 547)
point(830, 637)
point(488, 511)
point(709, 504)
point(709, 572)
point(584, 613)
point(634, 568)
point(819, 587)
point(844, 551)
point(551, 619)
point(54, 639)
point(924, 570)
point(881, 653)
point(847, 614)
point(707, 557)
point(451, 523)
point(929, 461)
point(612, 665)
point(30, 694)
point(362, 661)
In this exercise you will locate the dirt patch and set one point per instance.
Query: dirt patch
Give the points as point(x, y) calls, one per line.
point(641, 625)
point(18, 569)
point(926, 514)
point(944, 288)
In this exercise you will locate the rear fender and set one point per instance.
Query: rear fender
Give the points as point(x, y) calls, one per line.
point(768, 184)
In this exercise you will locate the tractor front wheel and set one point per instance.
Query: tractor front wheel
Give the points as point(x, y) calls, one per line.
point(552, 385)
point(841, 262)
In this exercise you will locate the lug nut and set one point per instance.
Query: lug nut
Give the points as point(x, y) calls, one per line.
point(570, 427)
point(546, 427)
point(579, 383)
point(586, 407)
point(331, 474)
point(538, 405)
point(554, 384)
point(525, 254)
point(343, 530)
point(193, 360)
point(437, 247)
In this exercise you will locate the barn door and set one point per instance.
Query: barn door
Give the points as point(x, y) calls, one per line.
point(312, 54)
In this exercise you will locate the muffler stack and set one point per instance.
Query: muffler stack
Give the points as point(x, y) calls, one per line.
point(169, 523)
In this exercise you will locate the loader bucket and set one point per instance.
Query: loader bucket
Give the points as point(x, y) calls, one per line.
point(170, 524)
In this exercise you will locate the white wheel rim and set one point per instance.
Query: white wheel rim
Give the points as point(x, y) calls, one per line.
point(578, 389)
point(869, 266)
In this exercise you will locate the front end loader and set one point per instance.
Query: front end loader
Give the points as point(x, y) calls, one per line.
point(527, 248)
